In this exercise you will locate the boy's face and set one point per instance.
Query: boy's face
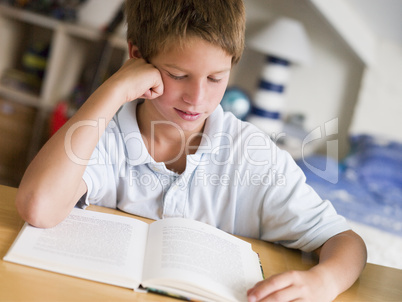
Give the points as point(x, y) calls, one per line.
point(195, 78)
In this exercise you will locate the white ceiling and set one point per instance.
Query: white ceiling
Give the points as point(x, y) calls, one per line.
point(383, 17)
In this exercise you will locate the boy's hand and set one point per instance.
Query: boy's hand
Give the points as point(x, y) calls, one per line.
point(137, 79)
point(341, 260)
point(291, 286)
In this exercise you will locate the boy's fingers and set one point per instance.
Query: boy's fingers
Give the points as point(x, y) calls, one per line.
point(290, 293)
point(267, 287)
point(154, 92)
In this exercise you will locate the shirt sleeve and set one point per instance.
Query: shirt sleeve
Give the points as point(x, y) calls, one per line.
point(101, 173)
point(292, 212)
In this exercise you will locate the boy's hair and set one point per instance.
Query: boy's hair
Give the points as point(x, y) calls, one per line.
point(153, 24)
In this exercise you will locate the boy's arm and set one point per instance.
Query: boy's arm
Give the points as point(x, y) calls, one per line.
point(342, 259)
point(53, 183)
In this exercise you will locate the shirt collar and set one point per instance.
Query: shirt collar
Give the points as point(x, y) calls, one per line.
point(137, 153)
point(211, 138)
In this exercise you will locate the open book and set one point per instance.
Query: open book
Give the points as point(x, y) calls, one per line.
point(177, 256)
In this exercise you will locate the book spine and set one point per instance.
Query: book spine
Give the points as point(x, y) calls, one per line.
point(165, 293)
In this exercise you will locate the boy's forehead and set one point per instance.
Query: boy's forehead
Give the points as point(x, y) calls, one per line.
point(178, 47)
point(188, 60)
point(217, 70)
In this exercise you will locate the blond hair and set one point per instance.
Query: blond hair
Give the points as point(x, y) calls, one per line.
point(153, 24)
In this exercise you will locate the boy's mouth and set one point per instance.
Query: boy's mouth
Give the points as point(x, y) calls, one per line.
point(188, 115)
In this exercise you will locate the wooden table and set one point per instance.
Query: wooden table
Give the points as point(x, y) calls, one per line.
point(20, 283)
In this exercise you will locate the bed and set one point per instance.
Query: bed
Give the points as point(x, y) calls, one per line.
point(366, 188)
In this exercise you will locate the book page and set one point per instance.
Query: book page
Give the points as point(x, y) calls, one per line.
point(96, 246)
point(197, 256)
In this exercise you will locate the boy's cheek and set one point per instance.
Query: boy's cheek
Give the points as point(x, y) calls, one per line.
point(167, 83)
point(170, 93)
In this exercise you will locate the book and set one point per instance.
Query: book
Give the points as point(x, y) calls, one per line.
point(178, 256)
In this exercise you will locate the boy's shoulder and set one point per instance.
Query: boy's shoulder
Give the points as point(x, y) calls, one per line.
point(125, 119)
point(225, 130)
point(243, 130)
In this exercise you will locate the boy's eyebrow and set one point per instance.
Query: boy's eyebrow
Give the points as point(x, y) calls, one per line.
point(183, 70)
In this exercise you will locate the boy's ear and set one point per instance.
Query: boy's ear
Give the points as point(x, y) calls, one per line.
point(133, 51)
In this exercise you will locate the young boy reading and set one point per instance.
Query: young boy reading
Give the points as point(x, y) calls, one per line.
point(154, 141)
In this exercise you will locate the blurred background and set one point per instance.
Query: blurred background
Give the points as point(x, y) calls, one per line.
point(330, 87)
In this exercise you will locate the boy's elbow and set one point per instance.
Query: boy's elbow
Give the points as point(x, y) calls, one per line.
point(34, 211)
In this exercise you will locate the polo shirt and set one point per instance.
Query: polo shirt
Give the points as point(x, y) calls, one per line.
point(237, 181)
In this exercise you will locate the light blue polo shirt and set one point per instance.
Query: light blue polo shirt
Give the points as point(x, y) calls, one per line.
point(237, 180)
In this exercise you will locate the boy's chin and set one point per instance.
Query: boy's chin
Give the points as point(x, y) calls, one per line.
point(192, 127)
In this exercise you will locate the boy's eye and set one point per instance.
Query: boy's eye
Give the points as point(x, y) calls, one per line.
point(214, 80)
point(181, 77)
point(175, 77)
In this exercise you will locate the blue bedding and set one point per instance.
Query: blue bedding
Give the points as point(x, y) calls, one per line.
point(368, 189)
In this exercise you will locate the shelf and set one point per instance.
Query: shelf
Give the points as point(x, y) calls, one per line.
point(73, 53)
point(28, 17)
point(74, 29)
point(93, 34)
point(21, 97)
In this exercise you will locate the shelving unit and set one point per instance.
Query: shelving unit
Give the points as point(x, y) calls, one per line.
point(72, 47)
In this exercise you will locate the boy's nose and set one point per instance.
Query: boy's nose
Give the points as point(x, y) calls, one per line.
point(195, 93)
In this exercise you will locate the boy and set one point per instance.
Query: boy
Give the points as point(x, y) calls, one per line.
point(164, 147)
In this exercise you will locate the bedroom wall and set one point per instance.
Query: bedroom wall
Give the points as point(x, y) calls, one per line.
point(379, 106)
point(325, 90)
point(96, 13)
